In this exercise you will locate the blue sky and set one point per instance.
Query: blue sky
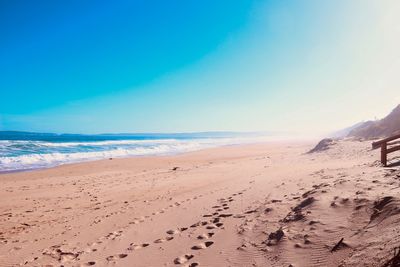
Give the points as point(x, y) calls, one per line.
point(179, 66)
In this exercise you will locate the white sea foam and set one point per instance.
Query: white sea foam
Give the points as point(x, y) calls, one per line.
point(5, 143)
point(19, 155)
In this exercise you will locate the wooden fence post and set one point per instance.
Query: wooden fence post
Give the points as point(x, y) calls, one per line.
point(384, 154)
point(387, 147)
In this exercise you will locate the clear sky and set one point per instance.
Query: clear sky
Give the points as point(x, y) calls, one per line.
point(181, 66)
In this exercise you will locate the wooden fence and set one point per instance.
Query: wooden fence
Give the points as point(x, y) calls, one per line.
point(387, 145)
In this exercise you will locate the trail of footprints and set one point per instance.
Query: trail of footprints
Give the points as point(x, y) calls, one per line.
point(211, 225)
point(212, 222)
point(112, 236)
point(109, 237)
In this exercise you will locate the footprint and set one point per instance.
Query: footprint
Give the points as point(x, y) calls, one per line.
point(173, 232)
point(120, 256)
point(162, 240)
point(205, 236)
point(67, 256)
point(89, 263)
point(133, 246)
point(183, 259)
point(225, 215)
point(203, 245)
point(216, 220)
point(195, 225)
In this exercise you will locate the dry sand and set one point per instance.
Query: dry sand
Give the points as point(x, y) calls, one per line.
point(254, 205)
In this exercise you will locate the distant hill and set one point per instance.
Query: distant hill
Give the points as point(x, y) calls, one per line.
point(380, 128)
point(345, 132)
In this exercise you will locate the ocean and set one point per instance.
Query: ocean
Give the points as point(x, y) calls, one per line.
point(25, 151)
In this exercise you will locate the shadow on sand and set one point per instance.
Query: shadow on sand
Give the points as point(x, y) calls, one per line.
point(394, 162)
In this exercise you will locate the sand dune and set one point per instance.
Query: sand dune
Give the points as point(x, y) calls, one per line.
point(254, 205)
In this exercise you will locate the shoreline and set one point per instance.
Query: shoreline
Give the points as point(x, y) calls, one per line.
point(110, 158)
point(149, 156)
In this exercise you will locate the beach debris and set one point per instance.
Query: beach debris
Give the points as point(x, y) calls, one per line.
point(294, 216)
point(395, 260)
point(306, 194)
point(379, 206)
point(339, 245)
point(275, 237)
point(175, 168)
point(306, 202)
point(250, 211)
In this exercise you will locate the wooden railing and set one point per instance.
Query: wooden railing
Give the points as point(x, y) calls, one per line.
point(387, 147)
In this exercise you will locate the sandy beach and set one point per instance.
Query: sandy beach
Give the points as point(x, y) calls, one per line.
point(268, 204)
point(200, 133)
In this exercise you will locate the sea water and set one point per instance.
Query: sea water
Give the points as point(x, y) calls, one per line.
point(24, 151)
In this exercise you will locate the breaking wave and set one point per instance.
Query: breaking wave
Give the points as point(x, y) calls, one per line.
point(29, 154)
